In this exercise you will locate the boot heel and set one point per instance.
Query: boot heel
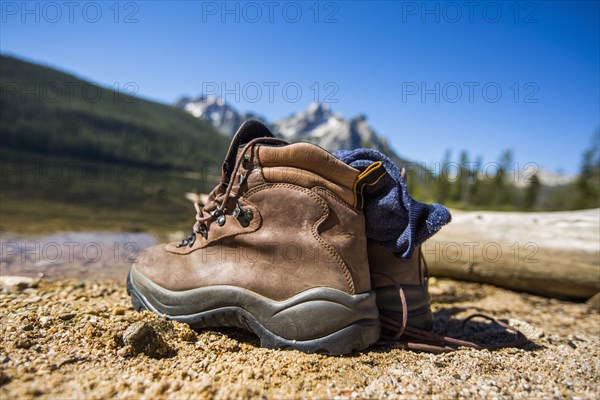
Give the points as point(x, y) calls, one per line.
point(417, 299)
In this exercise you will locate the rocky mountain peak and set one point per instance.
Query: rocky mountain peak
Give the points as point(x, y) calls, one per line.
point(215, 111)
point(317, 124)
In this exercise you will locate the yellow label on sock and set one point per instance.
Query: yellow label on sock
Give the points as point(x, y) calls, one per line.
point(368, 177)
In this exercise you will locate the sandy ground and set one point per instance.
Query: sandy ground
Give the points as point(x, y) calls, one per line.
point(64, 339)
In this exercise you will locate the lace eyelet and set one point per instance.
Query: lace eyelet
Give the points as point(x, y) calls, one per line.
point(218, 216)
point(245, 161)
point(189, 241)
point(244, 216)
point(203, 231)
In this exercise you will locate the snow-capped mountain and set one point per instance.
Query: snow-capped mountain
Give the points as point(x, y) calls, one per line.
point(319, 125)
point(216, 112)
point(550, 178)
point(546, 178)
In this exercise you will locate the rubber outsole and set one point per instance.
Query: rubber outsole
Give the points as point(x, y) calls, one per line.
point(319, 320)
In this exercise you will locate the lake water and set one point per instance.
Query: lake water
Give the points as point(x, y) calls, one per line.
point(81, 255)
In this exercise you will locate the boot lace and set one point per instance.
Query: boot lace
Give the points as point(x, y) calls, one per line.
point(216, 208)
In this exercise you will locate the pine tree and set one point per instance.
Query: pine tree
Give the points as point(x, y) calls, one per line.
point(532, 192)
point(588, 181)
point(466, 178)
point(502, 191)
point(443, 181)
point(476, 192)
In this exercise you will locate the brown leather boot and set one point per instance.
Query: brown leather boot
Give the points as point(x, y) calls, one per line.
point(279, 249)
point(389, 274)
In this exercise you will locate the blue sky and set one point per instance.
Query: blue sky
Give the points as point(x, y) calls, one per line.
point(481, 76)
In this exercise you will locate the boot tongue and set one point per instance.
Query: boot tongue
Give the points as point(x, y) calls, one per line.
point(250, 130)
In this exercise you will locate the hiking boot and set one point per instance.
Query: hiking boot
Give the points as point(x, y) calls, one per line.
point(389, 274)
point(279, 249)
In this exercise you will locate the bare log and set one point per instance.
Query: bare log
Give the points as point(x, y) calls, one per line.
point(552, 254)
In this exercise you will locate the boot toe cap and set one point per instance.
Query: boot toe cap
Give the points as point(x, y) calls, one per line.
point(154, 264)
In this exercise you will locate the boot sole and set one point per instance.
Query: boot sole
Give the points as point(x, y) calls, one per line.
point(417, 300)
point(318, 320)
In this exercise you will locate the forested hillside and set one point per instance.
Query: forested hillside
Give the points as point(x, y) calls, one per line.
point(51, 112)
point(79, 156)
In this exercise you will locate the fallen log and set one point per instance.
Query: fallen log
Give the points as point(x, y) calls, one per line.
point(555, 254)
